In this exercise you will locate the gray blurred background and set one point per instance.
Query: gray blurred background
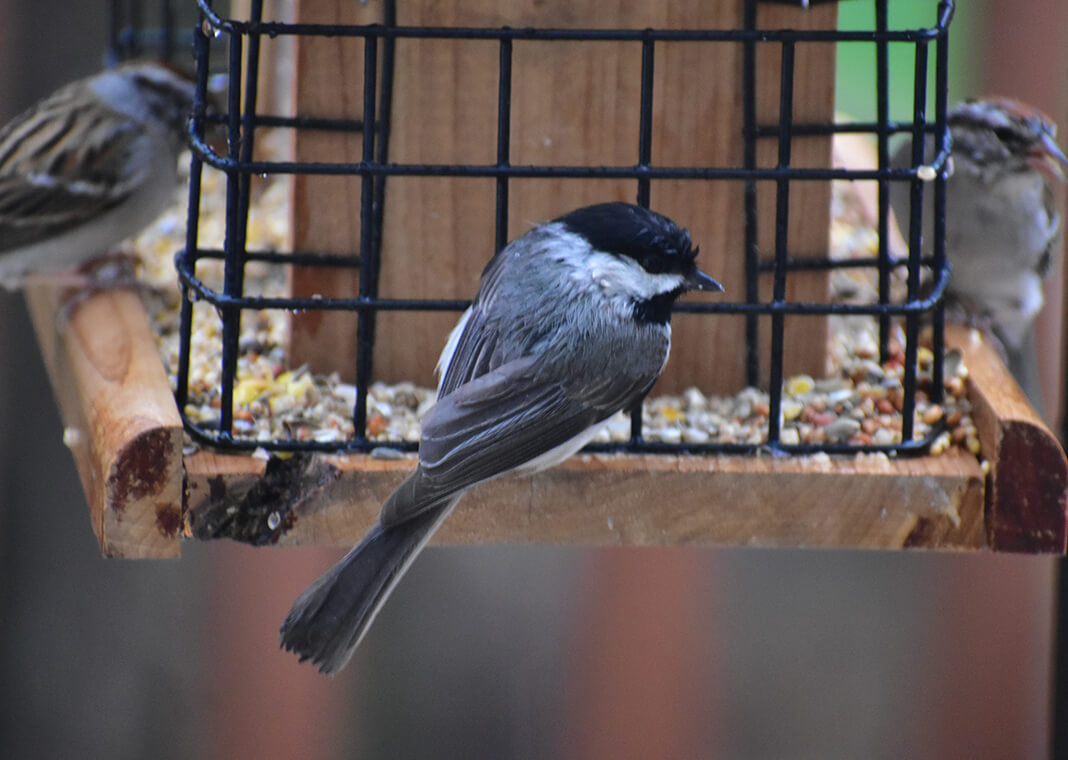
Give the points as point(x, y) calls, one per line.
point(504, 652)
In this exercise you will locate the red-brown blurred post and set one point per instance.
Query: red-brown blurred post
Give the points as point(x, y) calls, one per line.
point(1025, 56)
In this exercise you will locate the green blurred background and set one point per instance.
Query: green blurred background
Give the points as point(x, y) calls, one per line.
point(855, 91)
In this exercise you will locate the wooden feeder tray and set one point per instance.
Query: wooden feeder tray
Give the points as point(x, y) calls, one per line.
point(124, 428)
point(125, 433)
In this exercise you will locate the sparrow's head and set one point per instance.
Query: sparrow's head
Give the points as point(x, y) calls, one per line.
point(1001, 131)
point(152, 93)
point(640, 255)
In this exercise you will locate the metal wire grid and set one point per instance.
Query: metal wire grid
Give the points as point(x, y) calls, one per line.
point(242, 38)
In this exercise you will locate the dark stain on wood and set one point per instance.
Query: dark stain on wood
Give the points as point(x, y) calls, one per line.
point(141, 469)
point(921, 536)
point(1027, 503)
point(216, 488)
point(168, 519)
point(262, 513)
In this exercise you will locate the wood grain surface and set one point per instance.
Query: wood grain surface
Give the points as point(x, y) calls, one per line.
point(573, 103)
point(1028, 489)
point(126, 440)
point(122, 425)
point(866, 501)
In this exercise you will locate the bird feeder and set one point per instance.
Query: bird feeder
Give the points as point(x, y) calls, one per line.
point(420, 140)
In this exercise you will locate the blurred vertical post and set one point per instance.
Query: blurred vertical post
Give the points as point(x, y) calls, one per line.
point(641, 684)
point(1025, 56)
point(262, 703)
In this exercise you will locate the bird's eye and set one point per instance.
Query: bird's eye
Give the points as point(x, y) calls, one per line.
point(1006, 135)
point(652, 263)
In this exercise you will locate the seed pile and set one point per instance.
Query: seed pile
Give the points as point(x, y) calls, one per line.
point(860, 404)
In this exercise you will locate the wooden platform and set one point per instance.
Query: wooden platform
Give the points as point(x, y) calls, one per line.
point(125, 434)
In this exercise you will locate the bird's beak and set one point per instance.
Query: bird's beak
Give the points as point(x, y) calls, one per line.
point(698, 280)
point(1047, 158)
point(1053, 148)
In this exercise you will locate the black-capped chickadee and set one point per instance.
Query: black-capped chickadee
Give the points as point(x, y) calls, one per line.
point(571, 324)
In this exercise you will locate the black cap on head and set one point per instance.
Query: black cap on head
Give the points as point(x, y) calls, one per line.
point(651, 239)
point(654, 242)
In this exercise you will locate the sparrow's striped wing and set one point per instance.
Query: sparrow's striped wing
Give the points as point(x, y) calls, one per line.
point(62, 164)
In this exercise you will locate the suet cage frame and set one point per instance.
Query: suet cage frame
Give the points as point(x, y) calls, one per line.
point(238, 42)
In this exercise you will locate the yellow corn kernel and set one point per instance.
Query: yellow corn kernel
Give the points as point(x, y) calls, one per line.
point(799, 385)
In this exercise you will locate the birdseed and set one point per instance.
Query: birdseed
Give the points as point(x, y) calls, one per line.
point(860, 404)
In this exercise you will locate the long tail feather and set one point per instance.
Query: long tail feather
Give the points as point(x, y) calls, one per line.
point(332, 615)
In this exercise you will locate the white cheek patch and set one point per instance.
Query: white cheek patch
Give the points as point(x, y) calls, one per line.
point(620, 275)
point(619, 280)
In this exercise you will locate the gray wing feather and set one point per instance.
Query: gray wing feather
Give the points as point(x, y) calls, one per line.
point(477, 347)
point(473, 355)
point(498, 422)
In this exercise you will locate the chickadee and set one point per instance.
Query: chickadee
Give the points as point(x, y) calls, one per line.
point(570, 325)
point(1001, 222)
point(89, 166)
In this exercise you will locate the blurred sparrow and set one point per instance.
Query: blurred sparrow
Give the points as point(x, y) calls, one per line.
point(1001, 222)
point(89, 166)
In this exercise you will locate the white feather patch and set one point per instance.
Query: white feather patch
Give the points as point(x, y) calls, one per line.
point(450, 348)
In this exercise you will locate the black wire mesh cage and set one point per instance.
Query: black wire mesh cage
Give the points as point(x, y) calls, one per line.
point(922, 270)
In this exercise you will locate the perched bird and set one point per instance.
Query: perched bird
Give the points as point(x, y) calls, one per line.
point(1001, 222)
point(89, 166)
point(570, 325)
